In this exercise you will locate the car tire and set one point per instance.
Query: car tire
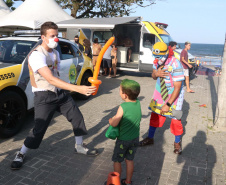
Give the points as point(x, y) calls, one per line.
point(12, 113)
point(84, 81)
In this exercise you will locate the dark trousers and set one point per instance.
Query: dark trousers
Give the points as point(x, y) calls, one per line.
point(45, 104)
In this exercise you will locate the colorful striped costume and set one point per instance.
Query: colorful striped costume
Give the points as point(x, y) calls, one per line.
point(175, 70)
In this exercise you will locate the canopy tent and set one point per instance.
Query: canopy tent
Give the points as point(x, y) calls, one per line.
point(32, 14)
point(97, 23)
point(4, 9)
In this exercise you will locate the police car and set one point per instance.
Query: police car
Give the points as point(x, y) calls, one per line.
point(16, 97)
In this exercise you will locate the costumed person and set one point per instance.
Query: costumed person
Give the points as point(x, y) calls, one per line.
point(50, 96)
point(168, 95)
point(128, 119)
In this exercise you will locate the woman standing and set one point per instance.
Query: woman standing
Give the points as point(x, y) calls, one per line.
point(88, 51)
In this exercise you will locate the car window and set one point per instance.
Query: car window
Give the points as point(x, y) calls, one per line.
point(166, 38)
point(66, 51)
point(78, 54)
point(102, 35)
point(149, 40)
point(15, 51)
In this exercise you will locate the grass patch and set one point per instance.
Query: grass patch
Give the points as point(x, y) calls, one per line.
point(210, 128)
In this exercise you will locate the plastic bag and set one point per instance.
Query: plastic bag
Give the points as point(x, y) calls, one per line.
point(112, 132)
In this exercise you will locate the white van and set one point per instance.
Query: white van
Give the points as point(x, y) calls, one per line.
point(130, 33)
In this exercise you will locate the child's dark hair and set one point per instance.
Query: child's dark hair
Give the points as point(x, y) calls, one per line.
point(131, 88)
point(46, 26)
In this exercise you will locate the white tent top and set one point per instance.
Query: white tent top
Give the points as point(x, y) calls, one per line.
point(97, 23)
point(32, 14)
point(4, 9)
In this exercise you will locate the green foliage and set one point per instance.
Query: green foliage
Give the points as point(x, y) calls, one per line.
point(10, 3)
point(97, 8)
point(102, 8)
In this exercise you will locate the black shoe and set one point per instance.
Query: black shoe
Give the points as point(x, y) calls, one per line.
point(146, 141)
point(18, 161)
point(123, 182)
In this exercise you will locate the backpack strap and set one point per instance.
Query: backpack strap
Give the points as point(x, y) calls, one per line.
point(31, 73)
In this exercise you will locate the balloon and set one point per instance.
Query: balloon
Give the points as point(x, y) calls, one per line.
point(93, 80)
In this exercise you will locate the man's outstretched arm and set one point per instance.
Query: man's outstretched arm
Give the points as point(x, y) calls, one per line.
point(47, 74)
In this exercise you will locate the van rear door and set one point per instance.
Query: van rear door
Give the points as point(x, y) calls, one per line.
point(146, 43)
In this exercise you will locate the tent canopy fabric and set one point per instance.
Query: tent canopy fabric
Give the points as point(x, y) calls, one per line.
point(4, 9)
point(32, 14)
point(97, 23)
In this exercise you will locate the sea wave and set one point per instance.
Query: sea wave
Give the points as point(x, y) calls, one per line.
point(210, 60)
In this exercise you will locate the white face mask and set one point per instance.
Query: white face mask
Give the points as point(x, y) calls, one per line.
point(53, 43)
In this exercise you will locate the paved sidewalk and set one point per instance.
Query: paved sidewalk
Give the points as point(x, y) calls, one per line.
point(202, 161)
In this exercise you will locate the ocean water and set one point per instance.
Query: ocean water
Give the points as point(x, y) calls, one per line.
point(208, 54)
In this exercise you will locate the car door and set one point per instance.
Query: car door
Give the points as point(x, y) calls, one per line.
point(67, 57)
point(146, 58)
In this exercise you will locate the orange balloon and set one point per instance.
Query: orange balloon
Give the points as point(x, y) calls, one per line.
point(93, 80)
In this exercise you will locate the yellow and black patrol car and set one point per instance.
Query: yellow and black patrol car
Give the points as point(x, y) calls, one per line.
point(16, 96)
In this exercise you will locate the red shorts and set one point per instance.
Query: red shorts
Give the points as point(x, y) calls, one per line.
point(157, 120)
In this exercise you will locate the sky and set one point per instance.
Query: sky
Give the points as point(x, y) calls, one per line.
point(197, 21)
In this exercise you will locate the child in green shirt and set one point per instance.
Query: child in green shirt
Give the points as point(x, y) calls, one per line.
point(128, 119)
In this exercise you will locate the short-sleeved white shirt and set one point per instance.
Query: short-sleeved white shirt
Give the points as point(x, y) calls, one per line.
point(37, 61)
point(107, 54)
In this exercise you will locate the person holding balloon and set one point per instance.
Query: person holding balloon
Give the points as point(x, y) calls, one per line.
point(50, 96)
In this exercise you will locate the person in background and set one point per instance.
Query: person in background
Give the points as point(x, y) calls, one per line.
point(107, 63)
point(186, 65)
point(88, 50)
point(96, 50)
point(128, 43)
point(172, 46)
point(128, 119)
point(76, 39)
point(114, 59)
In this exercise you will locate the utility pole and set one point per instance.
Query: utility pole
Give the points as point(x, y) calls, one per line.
point(220, 119)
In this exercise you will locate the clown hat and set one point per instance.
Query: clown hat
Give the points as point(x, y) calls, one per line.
point(160, 48)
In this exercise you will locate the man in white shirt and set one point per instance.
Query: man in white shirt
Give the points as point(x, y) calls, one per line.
point(44, 63)
point(107, 63)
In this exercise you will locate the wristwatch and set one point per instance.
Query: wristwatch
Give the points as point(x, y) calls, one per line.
point(168, 104)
